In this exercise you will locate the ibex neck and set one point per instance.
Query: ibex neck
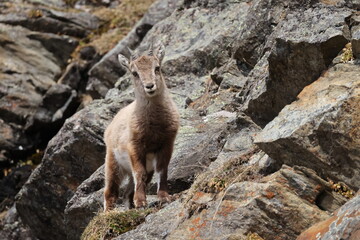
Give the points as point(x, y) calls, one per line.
point(154, 104)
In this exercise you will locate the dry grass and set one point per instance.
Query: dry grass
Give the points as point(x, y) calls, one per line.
point(229, 174)
point(117, 23)
point(347, 54)
point(253, 236)
point(342, 189)
point(113, 223)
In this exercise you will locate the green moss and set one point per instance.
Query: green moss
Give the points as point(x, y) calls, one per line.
point(113, 223)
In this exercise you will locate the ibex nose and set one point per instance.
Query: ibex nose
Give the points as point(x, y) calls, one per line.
point(149, 86)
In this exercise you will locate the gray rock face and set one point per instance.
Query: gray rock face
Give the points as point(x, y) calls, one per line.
point(60, 46)
point(320, 129)
point(71, 156)
point(11, 184)
point(302, 47)
point(197, 45)
point(12, 228)
point(27, 71)
point(244, 208)
point(85, 204)
point(345, 224)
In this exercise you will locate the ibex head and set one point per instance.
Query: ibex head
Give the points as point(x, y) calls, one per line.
point(146, 70)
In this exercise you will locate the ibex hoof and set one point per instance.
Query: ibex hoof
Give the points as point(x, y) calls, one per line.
point(109, 206)
point(164, 197)
point(140, 204)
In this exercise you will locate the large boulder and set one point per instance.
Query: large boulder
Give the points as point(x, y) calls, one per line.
point(301, 47)
point(320, 130)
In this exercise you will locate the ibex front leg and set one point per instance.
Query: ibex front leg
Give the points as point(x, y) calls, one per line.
point(112, 181)
point(138, 162)
point(163, 159)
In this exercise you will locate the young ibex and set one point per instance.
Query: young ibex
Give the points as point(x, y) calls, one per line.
point(141, 137)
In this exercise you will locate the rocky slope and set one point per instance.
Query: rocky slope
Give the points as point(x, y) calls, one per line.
point(268, 94)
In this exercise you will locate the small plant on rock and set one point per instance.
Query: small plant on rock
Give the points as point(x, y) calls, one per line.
point(347, 54)
point(110, 224)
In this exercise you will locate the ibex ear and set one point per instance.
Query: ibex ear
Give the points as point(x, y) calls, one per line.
point(159, 52)
point(123, 61)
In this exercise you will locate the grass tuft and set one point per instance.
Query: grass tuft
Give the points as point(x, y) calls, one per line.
point(347, 54)
point(342, 189)
point(108, 225)
point(253, 236)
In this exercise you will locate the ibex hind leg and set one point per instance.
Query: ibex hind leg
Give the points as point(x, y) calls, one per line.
point(129, 194)
point(113, 179)
point(162, 171)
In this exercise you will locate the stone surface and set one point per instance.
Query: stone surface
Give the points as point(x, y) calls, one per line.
point(355, 35)
point(60, 46)
point(344, 224)
point(85, 204)
point(12, 227)
point(27, 71)
point(284, 201)
point(302, 46)
point(320, 130)
point(238, 142)
point(11, 184)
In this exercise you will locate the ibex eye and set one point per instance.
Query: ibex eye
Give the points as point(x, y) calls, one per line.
point(135, 74)
point(157, 69)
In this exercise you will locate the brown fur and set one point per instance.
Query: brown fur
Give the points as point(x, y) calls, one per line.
point(141, 132)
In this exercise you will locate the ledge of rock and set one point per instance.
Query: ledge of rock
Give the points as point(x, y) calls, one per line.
point(320, 130)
